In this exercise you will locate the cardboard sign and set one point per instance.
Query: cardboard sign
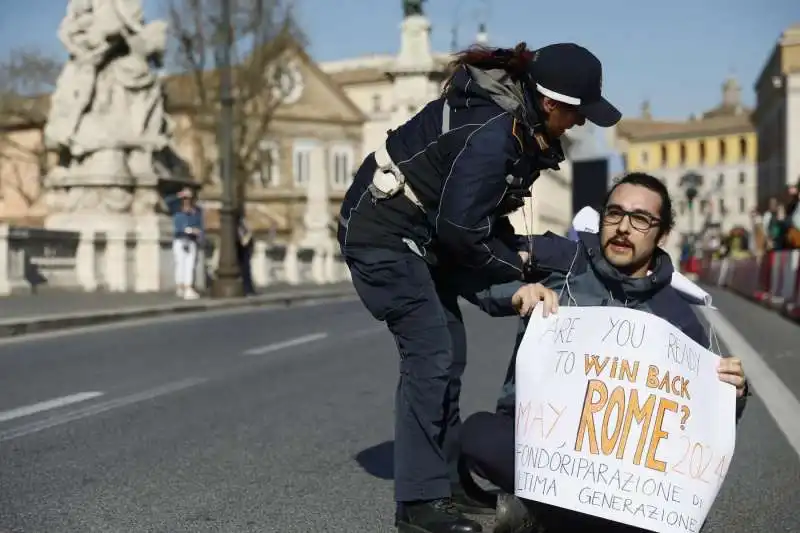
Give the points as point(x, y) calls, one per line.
point(621, 416)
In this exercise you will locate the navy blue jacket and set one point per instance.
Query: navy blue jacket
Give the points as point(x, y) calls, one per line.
point(468, 179)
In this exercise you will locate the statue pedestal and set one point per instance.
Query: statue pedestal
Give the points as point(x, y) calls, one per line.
point(135, 238)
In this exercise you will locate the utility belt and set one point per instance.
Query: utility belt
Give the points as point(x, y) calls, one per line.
point(389, 181)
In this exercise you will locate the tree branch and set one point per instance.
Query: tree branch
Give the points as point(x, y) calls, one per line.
point(26, 78)
point(262, 31)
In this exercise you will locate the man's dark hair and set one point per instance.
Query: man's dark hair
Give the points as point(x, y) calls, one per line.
point(667, 214)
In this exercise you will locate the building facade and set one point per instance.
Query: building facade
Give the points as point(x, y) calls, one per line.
point(777, 117)
point(720, 146)
point(316, 131)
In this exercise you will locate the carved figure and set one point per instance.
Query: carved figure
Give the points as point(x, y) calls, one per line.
point(107, 112)
point(412, 7)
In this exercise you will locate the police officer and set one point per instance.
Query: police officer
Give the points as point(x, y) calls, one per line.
point(430, 205)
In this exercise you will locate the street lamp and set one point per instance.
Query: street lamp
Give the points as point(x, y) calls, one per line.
point(227, 283)
point(691, 184)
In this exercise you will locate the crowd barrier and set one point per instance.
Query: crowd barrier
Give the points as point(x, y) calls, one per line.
point(772, 279)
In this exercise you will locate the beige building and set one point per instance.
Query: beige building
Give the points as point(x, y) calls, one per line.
point(719, 145)
point(777, 117)
point(316, 130)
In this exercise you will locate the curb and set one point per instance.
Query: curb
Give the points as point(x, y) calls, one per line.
point(15, 327)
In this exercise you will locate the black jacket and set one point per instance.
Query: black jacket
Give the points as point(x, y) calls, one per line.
point(468, 180)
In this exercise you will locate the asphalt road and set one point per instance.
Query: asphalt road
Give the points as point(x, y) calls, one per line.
point(277, 421)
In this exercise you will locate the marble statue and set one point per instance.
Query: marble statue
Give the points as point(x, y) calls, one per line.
point(412, 7)
point(107, 120)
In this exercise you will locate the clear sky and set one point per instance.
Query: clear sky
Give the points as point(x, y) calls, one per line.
point(675, 53)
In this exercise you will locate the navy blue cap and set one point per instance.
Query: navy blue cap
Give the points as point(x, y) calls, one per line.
point(571, 74)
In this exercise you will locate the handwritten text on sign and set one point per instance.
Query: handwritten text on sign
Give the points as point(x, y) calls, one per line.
point(621, 416)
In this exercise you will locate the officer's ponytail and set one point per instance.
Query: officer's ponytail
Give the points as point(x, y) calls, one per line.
point(515, 60)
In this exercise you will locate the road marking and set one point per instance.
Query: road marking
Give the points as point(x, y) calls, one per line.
point(166, 319)
point(47, 405)
point(779, 400)
point(275, 346)
point(95, 409)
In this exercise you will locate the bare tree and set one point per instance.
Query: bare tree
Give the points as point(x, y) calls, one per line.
point(263, 32)
point(26, 78)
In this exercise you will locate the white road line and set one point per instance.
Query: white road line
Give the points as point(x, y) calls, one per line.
point(779, 400)
point(165, 319)
point(275, 346)
point(77, 414)
point(55, 403)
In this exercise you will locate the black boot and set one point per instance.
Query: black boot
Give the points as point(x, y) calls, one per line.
point(465, 503)
point(437, 516)
point(513, 516)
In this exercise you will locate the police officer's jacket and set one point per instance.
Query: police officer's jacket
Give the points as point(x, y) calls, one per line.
point(468, 168)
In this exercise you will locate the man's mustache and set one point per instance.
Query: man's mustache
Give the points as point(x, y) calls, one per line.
point(620, 241)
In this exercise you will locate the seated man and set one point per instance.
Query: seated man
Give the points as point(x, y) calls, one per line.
point(623, 266)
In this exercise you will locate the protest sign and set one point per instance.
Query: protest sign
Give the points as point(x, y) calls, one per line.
point(621, 416)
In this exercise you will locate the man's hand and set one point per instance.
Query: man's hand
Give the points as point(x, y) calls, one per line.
point(730, 370)
point(525, 256)
point(528, 296)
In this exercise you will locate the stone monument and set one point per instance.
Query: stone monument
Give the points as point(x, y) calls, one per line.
point(414, 67)
point(108, 125)
point(412, 8)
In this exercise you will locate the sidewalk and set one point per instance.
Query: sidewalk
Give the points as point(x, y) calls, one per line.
point(51, 310)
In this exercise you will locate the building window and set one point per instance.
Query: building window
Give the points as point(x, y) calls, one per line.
point(376, 103)
point(268, 171)
point(682, 154)
point(702, 149)
point(721, 206)
point(643, 157)
point(722, 153)
point(302, 164)
point(742, 205)
point(743, 148)
point(663, 155)
point(742, 178)
point(341, 167)
point(703, 206)
point(721, 180)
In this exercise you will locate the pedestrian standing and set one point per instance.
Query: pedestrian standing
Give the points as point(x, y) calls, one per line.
point(187, 219)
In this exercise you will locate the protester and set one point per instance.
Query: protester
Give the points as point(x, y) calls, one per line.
point(623, 266)
point(187, 219)
point(432, 202)
point(773, 223)
point(792, 230)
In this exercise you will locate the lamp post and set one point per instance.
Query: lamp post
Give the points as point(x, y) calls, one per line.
point(691, 184)
point(227, 283)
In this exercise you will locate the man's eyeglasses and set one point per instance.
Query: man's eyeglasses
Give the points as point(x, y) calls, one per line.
point(640, 221)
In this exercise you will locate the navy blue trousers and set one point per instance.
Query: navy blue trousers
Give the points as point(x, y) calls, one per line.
point(488, 445)
point(421, 310)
